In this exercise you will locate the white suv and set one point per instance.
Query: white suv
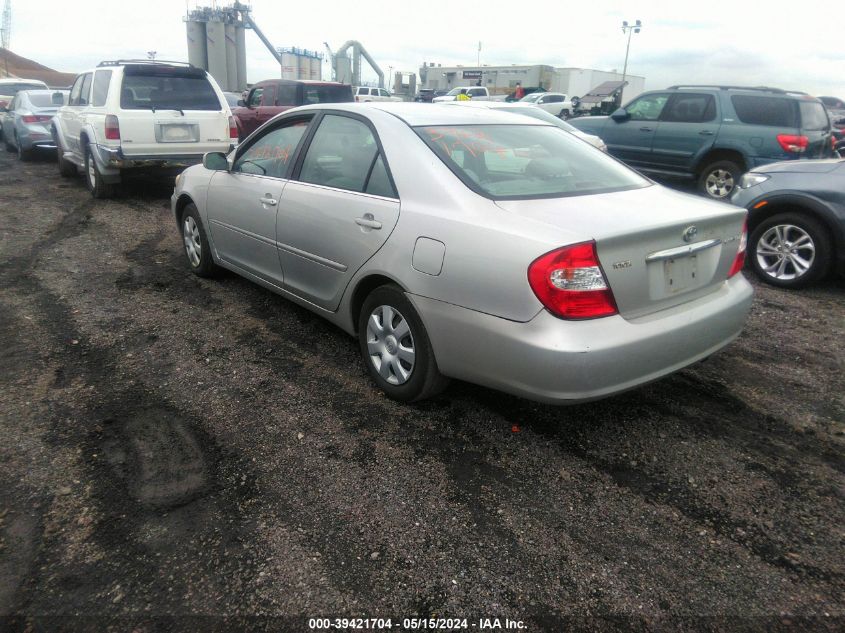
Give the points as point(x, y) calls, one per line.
point(139, 114)
point(364, 93)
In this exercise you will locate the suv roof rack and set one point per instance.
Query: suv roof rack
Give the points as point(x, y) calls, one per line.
point(121, 62)
point(759, 88)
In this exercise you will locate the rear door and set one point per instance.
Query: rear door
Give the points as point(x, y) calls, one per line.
point(243, 202)
point(337, 212)
point(815, 125)
point(631, 139)
point(170, 111)
point(71, 115)
point(688, 127)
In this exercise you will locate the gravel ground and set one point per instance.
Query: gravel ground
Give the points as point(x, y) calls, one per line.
point(186, 454)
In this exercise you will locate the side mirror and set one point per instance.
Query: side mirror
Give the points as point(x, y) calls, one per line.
point(4, 106)
point(620, 115)
point(241, 103)
point(215, 161)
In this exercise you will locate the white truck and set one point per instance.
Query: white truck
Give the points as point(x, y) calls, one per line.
point(475, 93)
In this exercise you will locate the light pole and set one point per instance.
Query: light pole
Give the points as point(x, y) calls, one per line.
point(629, 29)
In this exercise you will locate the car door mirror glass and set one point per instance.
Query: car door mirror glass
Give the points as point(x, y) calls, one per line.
point(241, 103)
point(620, 115)
point(215, 161)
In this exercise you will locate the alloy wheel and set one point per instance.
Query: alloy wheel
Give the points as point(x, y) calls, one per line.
point(785, 252)
point(390, 345)
point(719, 183)
point(193, 244)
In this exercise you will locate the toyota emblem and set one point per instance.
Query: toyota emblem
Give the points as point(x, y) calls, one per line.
point(690, 234)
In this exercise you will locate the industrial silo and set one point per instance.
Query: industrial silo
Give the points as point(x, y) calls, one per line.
point(196, 44)
point(303, 67)
point(240, 41)
point(289, 64)
point(231, 57)
point(215, 37)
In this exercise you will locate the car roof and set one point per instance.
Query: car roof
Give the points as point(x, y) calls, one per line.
point(13, 80)
point(43, 91)
point(418, 114)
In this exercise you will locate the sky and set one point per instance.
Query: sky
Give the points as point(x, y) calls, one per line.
point(739, 43)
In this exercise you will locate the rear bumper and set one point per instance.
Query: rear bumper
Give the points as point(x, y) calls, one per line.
point(565, 362)
point(112, 160)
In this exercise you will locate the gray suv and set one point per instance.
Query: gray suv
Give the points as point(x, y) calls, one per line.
point(713, 134)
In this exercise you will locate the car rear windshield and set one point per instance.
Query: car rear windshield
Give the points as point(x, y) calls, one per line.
point(13, 89)
point(167, 88)
point(770, 111)
point(513, 162)
point(326, 94)
point(813, 116)
point(48, 100)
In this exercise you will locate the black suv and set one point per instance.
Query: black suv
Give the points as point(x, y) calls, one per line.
point(713, 133)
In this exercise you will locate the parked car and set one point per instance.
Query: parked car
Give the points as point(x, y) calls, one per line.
point(835, 110)
point(522, 259)
point(268, 98)
point(529, 90)
point(476, 93)
point(796, 220)
point(27, 121)
point(140, 115)
point(426, 95)
point(535, 113)
point(10, 87)
point(555, 103)
point(713, 134)
point(366, 94)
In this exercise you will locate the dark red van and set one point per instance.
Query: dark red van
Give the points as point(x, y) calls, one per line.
point(268, 98)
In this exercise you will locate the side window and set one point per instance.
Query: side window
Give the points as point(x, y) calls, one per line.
point(554, 99)
point(476, 92)
point(647, 108)
point(813, 116)
point(255, 97)
point(340, 155)
point(102, 79)
point(383, 93)
point(690, 108)
point(271, 154)
point(379, 183)
point(770, 111)
point(286, 95)
point(364, 91)
point(74, 91)
point(85, 92)
point(269, 96)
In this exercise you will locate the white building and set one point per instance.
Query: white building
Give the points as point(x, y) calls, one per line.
point(503, 79)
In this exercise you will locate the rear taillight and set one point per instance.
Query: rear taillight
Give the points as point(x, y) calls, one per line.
point(833, 141)
point(233, 128)
point(793, 143)
point(739, 260)
point(112, 128)
point(35, 118)
point(570, 283)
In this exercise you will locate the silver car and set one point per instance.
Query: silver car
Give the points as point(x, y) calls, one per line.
point(469, 243)
point(26, 123)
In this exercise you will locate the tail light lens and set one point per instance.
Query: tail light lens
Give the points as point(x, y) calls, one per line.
point(233, 128)
point(793, 143)
point(112, 128)
point(739, 260)
point(570, 283)
point(35, 118)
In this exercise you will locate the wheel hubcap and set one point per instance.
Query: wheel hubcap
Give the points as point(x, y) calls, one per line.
point(390, 345)
point(193, 245)
point(719, 183)
point(785, 252)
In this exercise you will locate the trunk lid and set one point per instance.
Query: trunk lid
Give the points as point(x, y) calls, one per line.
point(658, 248)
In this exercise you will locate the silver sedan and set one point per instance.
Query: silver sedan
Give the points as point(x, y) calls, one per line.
point(472, 244)
point(26, 122)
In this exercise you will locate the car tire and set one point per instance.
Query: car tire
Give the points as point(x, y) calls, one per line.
point(9, 147)
point(24, 155)
point(564, 114)
point(195, 242)
point(94, 179)
point(718, 180)
point(398, 354)
point(790, 250)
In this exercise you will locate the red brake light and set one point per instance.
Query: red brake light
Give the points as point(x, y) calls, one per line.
point(739, 260)
point(793, 143)
point(233, 128)
point(35, 118)
point(570, 283)
point(112, 128)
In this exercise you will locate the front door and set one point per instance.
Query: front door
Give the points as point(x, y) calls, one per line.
point(630, 139)
point(337, 212)
point(243, 202)
point(688, 127)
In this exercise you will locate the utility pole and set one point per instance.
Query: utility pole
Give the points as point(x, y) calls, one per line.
point(479, 53)
point(630, 29)
point(7, 32)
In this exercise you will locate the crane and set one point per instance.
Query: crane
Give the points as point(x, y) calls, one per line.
point(331, 62)
point(7, 24)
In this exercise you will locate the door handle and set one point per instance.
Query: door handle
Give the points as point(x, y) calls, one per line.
point(368, 222)
point(645, 129)
point(268, 200)
point(706, 133)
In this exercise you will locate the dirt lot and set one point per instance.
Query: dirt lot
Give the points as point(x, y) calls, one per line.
point(177, 447)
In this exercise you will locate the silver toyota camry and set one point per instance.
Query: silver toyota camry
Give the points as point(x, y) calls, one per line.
point(472, 244)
